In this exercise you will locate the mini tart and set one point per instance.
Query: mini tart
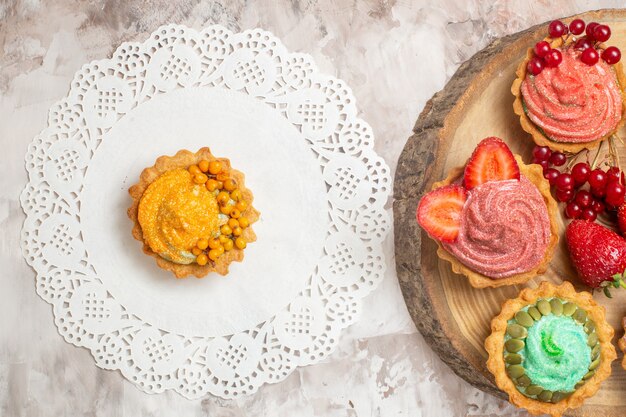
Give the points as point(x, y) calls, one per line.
point(538, 136)
point(183, 160)
point(511, 339)
point(477, 280)
point(622, 343)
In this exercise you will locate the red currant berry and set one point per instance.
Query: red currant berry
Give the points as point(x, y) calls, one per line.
point(535, 66)
point(615, 193)
point(564, 195)
point(553, 59)
point(591, 27)
point(590, 56)
point(558, 159)
point(614, 174)
point(541, 153)
point(573, 210)
point(588, 214)
point(551, 175)
point(611, 55)
point(564, 182)
point(542, 49)
point(597, 206)
point(597, 180)
point(582, 44)
point(598, 192)
point(580, 173)
point(577, 26)
point(583, 198)
point(602, 33)
point(556, 29)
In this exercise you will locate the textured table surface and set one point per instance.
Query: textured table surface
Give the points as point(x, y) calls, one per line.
point(394, 55)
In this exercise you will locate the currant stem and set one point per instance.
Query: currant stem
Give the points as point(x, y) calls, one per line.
point(616, 154)
point(573, 158)
point(613, 152)
point(595, 158)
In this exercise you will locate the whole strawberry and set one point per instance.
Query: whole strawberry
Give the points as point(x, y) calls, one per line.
point(598, 253)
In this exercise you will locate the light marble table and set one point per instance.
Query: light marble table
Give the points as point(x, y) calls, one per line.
point(393, 53)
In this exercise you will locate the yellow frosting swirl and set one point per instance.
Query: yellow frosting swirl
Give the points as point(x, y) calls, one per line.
point(174, 213)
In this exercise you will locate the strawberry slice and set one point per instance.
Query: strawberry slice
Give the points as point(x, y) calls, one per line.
point(439, 212)
point(492, 160)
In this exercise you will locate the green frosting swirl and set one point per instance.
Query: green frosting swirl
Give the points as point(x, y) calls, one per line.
point(556, 355)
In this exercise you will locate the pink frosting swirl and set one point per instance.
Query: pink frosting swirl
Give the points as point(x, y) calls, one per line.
point(505, 229)
point(574, 102)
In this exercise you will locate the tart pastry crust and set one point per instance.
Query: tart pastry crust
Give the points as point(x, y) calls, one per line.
point(622, 343)
point(494, 344)
point(529, 127)
point(477, 280)
point(184, 159)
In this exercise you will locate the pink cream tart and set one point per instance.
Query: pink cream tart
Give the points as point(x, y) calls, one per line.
point(574, 102)
point(505, 229)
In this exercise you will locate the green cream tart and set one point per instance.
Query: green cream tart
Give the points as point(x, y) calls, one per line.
point(556, 354)
point(550, 349)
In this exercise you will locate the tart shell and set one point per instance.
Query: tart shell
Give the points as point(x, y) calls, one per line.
point(184, 159)
point(622, 343)
point(528, 125)
point(494, 344)
point(477, 280)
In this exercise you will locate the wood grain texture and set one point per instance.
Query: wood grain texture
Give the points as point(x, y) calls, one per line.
point(453, 317)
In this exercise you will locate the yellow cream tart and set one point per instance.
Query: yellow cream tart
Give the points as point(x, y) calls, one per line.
point(193, 213)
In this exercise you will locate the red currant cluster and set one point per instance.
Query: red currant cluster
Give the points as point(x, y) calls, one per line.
point(545, 56)
point(605, 191)
point(595, 33)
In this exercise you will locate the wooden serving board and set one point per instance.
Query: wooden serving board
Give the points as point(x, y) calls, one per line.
point(453, 317)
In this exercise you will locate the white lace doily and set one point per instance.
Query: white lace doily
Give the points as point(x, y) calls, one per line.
point(308, 159)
